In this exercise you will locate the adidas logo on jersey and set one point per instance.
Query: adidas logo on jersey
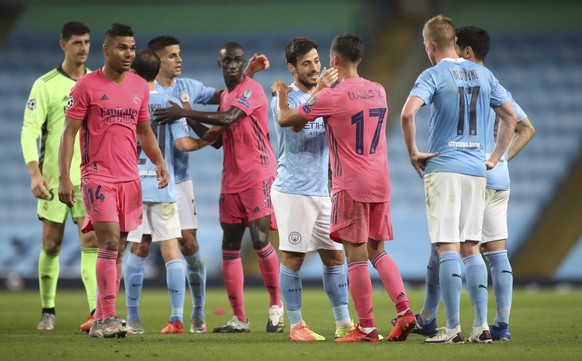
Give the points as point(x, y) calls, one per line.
point(104, 97)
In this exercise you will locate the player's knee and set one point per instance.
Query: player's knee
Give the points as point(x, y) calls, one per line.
point(493, 246)
point(51, 247)
point(189, 248)
point(140, 249)
point(260, 243)
point(88, 239)
point(333, 259)
point(231, 245)
point(292, 260)
point(469, 249)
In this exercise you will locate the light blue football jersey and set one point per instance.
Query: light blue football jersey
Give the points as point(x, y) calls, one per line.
point(498, 177)
point(302, 157)
point(166, 134)
point(461, 95)
point(193, 92)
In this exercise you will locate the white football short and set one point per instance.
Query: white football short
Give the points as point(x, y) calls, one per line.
point(160, 220)
point(454, 206)
point(186, 205)
point(495, 216)
point(303, 222)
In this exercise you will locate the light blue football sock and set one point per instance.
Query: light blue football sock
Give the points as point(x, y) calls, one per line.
point(432, 297)
point(197, 283)
point(176, 281)
point(476, 279)
point(133, 279)
point(502, 277)
point(335, 283)
point(451, 285)
point(291, 290)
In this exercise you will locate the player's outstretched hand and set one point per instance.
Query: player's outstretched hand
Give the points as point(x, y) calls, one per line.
point(66, 192)
point(213, 133)
point(327, 78)
point(165, 115)
point(40, 187)
point(256, 64)
point(418, 161)
point(163, 175)
point(280, 88)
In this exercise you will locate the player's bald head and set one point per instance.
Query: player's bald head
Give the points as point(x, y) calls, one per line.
point(229, 47)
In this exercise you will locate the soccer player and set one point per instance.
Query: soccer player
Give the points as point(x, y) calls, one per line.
point(473, 45)
point(248, 172)
point(44, 118)
point(355, 112)
point(190, 92)
point(160, 223)
point(110, 106)
point(301, 200)
point(460, 94)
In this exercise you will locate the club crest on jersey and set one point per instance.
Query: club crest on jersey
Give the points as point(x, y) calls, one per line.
point(136, 99)
point(185, 97)
point(294, 238)
point(31, 104)
point(70, 102)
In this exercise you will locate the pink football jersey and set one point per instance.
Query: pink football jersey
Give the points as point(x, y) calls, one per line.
point(248, 155)
point(355, 114)
point(109, 113)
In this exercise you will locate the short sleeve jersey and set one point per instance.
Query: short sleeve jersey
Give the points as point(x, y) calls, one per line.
point(354, 113)
point(302, 157)
point(193, 92)
point(44, 118)
point(248, 155)
point(109, 113)
point(460, 94)
point(166, 134)
point(498, 177)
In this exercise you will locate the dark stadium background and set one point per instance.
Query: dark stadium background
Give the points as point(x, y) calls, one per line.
point(536, 52)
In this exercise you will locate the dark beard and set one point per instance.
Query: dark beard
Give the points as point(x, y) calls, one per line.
point(307, 85)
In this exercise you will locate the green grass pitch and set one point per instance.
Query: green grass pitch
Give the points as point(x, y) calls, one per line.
point(545, 325)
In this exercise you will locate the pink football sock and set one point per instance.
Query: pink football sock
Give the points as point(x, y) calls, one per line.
point(98, 315)
point(361, 291)
point(392, 281)
point(269, 265)
point(234, 281)
point(106, 272)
